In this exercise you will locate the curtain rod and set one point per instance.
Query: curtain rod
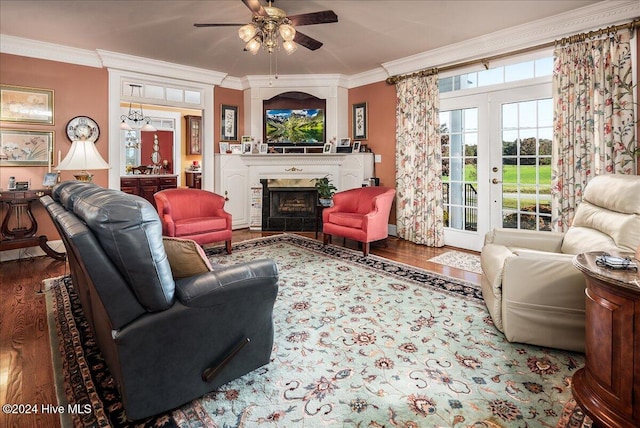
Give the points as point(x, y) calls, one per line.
point(485, 61)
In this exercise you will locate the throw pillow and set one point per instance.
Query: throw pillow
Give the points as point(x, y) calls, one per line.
point(186, 257)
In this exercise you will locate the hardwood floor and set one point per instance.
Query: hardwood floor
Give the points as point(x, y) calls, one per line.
point(26, 373)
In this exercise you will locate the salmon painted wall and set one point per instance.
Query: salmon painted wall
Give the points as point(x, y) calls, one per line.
point(78, 91)
point(381, 123)
point(228, 97)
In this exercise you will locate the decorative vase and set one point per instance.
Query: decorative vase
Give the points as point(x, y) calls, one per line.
point(325, 202)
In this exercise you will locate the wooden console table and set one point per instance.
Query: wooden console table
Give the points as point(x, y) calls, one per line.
point(607, 388)
point(19, 226)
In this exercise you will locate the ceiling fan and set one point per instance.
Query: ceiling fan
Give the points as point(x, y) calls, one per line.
point(268, 22)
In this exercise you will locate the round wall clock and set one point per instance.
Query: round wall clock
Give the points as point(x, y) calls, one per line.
point(83, 127)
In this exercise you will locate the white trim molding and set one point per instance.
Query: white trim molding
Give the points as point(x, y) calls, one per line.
point(598, 15)
point(602, 14)
point(49, 51)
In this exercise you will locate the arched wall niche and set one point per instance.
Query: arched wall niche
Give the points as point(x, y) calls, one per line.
point(334, 95)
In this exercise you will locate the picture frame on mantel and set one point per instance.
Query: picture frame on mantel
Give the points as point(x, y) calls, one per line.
point(229, 123)
point(26, 105)
point(360, 121)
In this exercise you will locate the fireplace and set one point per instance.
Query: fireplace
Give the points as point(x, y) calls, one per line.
point(289, 205)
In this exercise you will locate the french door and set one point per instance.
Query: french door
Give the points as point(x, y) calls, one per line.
point(496, 162)
point(520, 176)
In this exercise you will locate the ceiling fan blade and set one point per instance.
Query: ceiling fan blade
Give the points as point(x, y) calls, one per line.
point(255, 7)
point(323, 17)
point(306, 41)
point(217, 25)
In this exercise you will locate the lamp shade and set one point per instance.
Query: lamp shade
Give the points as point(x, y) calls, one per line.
point(253, 46)
point(246, 32)
point(289, 47)
point(83, 156)
point(287, 32)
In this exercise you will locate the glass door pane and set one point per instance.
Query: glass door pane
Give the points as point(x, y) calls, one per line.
point(459, 137)
point(526, 135)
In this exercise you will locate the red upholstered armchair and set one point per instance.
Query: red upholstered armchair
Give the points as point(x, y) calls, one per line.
point(194, 214)
point(360, 214)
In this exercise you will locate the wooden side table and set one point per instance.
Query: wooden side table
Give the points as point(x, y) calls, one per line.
point(607, 388)
point(19, 226)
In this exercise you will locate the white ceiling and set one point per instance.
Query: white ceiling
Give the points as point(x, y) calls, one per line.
point(368, 32)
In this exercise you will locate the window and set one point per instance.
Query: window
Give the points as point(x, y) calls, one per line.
point(498, 75)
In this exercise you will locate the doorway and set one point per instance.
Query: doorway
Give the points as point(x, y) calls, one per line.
point(496, 162)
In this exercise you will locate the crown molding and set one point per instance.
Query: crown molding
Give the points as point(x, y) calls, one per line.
point(535, 33)
point(602, 14)
point(231, 82)
point(48, 51)
point(154, 67)
point(367, 78)
point(295, 80)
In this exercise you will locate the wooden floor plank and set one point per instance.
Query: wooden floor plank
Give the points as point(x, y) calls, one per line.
point(26, 372)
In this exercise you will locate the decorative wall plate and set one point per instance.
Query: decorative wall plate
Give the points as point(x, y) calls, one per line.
point(83, 127)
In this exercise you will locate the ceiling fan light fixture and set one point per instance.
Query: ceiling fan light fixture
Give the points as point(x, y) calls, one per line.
point(247, 32)
point(253, 46)
point(289, 47)
point(287, 32)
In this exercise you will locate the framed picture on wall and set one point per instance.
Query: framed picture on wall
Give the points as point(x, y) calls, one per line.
point(19, 147)
point(360, 121)
point(229, 123)
point(27, 105)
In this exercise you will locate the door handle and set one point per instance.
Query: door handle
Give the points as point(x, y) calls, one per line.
point(496, 181)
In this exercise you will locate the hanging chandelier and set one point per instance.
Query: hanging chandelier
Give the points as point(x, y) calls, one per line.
point(264, 31)
point(136, 117)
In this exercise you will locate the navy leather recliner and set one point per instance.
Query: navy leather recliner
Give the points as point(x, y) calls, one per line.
point(165, 341)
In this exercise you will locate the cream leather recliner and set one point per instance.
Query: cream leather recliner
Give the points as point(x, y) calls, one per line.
point(532, 290)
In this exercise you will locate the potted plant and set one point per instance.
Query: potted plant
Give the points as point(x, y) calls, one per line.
point(326, 190)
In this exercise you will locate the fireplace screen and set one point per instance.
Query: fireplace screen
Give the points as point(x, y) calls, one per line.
point(289, 205)
point(292, 203)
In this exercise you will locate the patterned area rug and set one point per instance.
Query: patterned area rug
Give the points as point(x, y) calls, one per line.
point(459, 260)
point(359, 342)
point(573, 417)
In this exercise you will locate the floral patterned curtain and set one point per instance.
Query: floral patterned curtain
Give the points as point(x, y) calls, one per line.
point(593, 118)
point(419, 204)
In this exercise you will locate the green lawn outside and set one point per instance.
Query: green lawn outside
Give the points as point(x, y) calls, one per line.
point(510, 177)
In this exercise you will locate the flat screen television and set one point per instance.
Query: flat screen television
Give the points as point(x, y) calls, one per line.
point(294, 126)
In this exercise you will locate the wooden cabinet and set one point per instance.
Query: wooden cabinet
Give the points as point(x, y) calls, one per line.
point(146, 186)
point(194, 135)
point(608, 387)
point(194, 179)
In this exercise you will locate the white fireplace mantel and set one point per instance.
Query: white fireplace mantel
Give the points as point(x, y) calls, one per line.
point(238, 176)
